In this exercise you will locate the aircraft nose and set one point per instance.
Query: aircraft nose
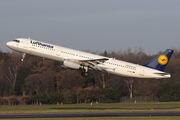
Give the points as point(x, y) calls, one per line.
point(8, 44)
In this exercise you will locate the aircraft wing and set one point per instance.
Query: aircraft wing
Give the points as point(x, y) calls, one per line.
point(91, 63)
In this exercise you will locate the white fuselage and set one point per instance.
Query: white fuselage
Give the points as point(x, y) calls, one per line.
point(58, 53)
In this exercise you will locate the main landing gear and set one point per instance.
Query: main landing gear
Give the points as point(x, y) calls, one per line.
point(85, 73)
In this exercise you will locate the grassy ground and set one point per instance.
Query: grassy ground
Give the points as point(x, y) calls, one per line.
point(110, 107)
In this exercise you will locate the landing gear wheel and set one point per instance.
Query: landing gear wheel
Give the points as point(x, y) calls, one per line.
point(84, 74)
point(23, 56)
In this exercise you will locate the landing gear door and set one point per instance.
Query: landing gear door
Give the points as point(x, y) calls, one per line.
point(142, 71)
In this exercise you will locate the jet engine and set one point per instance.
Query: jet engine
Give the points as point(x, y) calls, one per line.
point(70, 64)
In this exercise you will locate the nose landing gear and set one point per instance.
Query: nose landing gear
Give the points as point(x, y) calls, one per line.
point(23, 56)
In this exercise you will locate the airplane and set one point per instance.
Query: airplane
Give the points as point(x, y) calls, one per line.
point(75, 59)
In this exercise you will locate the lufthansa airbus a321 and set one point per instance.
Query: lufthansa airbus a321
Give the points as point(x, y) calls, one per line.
point(82, 60)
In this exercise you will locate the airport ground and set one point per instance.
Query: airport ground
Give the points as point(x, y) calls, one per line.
point(88, 108)
point(111, 118)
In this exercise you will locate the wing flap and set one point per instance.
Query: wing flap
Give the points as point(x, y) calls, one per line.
point(92, 62)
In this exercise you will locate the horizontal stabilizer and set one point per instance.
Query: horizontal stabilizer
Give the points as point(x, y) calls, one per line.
point(164, 74)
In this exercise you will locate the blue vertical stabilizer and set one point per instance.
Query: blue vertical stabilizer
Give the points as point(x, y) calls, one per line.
point(161, 60)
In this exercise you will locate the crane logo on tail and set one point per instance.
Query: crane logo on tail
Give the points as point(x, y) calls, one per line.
point(163, 59)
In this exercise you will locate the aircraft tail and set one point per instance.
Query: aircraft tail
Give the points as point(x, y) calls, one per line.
point(161, 60)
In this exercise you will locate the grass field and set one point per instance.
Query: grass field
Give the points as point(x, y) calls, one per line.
point(108, 107)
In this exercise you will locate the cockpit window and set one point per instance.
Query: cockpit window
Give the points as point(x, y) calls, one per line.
point(16, 41)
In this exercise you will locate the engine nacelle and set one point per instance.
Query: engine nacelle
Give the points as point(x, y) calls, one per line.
point(70, 64)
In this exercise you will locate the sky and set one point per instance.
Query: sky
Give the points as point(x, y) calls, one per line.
point(94, 25)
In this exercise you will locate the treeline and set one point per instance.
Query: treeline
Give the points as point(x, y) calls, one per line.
point(40, 80)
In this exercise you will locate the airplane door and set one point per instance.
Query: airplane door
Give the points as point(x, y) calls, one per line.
point(142, 71)
point(58, 52)
point(25, 44)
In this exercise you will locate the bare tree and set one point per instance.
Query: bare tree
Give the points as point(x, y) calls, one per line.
point(129, 84)
point(48, 81)
point(41, 83)
point(33, 84)
point(42, 78)
point(11, 67)
point(68, 79)
point(100, 78)
point(78, 92)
